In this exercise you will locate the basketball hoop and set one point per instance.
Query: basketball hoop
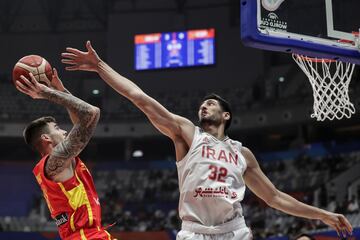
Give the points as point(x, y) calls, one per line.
point(330, 81)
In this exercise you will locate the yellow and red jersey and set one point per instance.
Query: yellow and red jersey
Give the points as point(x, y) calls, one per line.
point(73, 204)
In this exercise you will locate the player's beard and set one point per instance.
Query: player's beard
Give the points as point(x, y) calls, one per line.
point(57, 138)
point(207, 121)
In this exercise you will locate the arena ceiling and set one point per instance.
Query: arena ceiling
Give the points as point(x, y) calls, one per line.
point(18, 16)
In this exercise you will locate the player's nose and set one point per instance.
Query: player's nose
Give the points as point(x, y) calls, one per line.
point(203, 107)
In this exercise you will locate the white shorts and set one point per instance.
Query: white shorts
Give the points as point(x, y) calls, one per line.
point(233, 230)
point(241, 234)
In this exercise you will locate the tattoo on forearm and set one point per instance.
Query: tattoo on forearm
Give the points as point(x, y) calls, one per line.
point(79, 135)
point(65, 151)
point(83, 109)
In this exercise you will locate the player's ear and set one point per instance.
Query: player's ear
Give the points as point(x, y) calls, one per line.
point(45, 138)
point(226, 115)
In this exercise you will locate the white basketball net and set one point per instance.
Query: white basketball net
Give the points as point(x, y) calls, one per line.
point(330, 84)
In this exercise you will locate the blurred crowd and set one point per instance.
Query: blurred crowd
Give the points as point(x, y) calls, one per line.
point(146, 200)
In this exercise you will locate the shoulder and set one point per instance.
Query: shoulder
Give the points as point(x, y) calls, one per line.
point(200, 134)
point(180, 127)
point(246, 151)
point(249, 157)
point(233, 142)
point(77, 163)
point(39, 167)
point(198, 129)
point(40, 173)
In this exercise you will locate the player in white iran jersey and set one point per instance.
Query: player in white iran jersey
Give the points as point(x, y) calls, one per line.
point(211, 174)
point(213, 169)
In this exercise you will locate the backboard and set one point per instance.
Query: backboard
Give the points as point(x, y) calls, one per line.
point(308, 27)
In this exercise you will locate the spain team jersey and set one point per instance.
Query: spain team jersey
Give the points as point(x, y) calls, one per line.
point(74, 204)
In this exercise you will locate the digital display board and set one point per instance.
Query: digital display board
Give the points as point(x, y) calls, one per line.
point(175, 49)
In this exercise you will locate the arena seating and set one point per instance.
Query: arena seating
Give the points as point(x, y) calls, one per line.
point(146, 199)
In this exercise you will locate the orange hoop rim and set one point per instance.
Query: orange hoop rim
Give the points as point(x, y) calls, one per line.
point(314, 59)
point(327, 60)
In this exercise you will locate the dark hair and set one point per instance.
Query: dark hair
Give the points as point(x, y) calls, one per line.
point(304, 235)
point(225, 106)
point(35, 129)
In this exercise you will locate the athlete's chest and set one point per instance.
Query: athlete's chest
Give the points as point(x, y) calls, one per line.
point(209, 150)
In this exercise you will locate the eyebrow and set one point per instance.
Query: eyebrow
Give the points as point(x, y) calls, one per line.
point(208, 100)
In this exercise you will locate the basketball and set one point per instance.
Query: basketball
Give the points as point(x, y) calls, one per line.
point(37, 65)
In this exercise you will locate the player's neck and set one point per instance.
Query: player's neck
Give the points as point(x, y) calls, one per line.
point(48, 149)
point(216, 131)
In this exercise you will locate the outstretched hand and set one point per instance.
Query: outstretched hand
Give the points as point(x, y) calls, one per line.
point(339, 223)
point(31, 87)
point(78, 60)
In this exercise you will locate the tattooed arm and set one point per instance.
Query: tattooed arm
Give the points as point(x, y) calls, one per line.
point(57, 84)
point(78, 137)
point(73, 116)
point(88, 116)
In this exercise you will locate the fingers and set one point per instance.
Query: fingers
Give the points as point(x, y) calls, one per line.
point(344, 233)
point(33, 79)
point(29, 85)
point(74, 51)
point(69, 55)
point(337, 229)
point(73, 65)
point(35, 83)
point(21, 87)
point(89, 47)
point(68, 61)
point(72, 68)
point(342, 226)
point(346, 224)
point(55, 73)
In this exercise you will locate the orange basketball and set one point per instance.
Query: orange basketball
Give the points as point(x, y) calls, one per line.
point(38, 66)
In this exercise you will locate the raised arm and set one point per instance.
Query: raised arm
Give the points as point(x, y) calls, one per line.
point(57, 84)
point(259, 184)
point(79, 135)
point(166, 122)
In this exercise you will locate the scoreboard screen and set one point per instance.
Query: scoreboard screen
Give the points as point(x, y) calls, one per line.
point(174, 49)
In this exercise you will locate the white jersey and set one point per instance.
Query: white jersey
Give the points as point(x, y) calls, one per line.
point(211, 180)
